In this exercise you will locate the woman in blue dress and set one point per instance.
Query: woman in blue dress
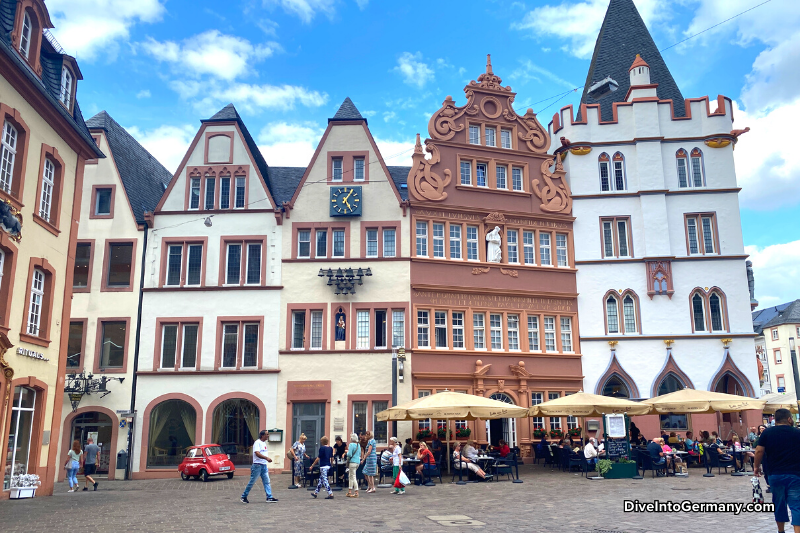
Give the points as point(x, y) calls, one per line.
point(299, 451)
point(370, 462)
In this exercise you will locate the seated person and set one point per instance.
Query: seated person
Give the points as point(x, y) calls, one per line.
point(462, 462)
point(590, 452)
point(503, 448)
point(690, 444)
point(656, 453)
point(716, 439)
point(673, 438)
point(601, 448)
point(719, 451)
point(470, 452)
point(386, 458)
point(667, 449)
point(737, 447)
point(408, 449)
point(752, 436)
point(425, 457)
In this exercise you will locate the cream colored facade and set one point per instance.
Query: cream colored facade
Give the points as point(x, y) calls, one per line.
point(778, 355)
point(29, 358)
point(351, 375)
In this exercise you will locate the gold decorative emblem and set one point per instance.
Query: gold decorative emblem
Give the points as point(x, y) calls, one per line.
point(580, 150)
point(719, 142)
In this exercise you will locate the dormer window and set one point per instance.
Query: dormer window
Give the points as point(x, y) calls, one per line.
point(25, 36)
point(67, 82)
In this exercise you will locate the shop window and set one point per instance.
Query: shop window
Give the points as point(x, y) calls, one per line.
point(235, 424)
point(173, 425)
point(20, 434)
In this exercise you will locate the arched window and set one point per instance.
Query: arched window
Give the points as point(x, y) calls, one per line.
point(235, 426)
point(604, 163)
point(629, 312)
point(25, 36)
point(616, 388)
point(67, 81)
point(172, 430)
point(619, 172)
point(37, 296)
point(729, 384)
point(698, 312)
point(682, 160)
point(670, 383)
point(9, 153)
point(612, 314)
point(698, 178)
point(715, 310)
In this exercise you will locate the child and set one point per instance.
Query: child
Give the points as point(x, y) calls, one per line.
point(324, 460)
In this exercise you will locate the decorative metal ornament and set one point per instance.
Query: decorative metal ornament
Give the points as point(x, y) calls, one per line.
point(10, 220)
point(344, 280)
point(78, 385)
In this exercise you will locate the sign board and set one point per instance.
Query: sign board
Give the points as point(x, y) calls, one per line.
point(124, 413)
point(32, 354)
point(615, 426)
point(781, 389)
point(338, 424)
point(617, 447)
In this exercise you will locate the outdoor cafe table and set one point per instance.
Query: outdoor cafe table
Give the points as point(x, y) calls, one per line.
point(673, 454)
point(409, 466)
point(737, 455)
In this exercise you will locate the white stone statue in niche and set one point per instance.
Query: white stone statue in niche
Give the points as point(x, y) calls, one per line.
point(494, 253)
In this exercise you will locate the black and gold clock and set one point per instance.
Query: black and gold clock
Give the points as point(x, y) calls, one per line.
point(346, 201)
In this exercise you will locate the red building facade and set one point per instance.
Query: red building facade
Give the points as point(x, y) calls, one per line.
point(493, 288)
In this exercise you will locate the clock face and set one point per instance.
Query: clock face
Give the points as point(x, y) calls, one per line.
point(346, 201)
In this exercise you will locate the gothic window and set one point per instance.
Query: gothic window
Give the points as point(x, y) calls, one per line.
point(698, 312)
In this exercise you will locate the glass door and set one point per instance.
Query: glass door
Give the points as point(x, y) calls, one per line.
point(19, 437)
point(309, 418)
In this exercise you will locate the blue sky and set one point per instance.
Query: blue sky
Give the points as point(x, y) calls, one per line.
point(158, 67)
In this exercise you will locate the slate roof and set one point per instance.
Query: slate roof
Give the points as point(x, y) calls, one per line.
point(788, 313)
point(144, 178)
point(762, 316)
point(622, 36)
point(284, 182)
point(347, 111)
point(399, 176)
point(50, 82)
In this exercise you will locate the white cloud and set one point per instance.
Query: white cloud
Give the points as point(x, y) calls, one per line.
point(388, 115)
point(289, 145)
point(369, 113)
point(305, 9)
point(396, 153)
point(166, 143)
point(579, 23)
point(528, 70)
point(767, 169)
point(210, 53)
point(144, 93)
point(362, 4)
point(775, 268)
point(774, 79)
point(87, 28)
point(413, 70)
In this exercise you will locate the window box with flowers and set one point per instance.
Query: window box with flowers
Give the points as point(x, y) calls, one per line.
point(556, 433)
point(443, 433)
point(424, 434)
point(539, 433)
point(463, 433)
point(575, 432)
point(24, 486)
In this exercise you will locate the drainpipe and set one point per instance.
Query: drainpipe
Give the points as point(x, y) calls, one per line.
point(136, 357)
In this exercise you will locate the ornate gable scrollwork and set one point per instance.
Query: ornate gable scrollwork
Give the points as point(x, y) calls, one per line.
point(556, 198)
point(424, 183)
point(535, 136)
point(442, 125)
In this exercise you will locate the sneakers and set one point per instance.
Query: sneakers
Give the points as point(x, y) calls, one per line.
point(329, 497)
point(86, 488)
point(243, 500)
point(272, 500)
point(314, 494)
point(95, 485)
point(71, 490)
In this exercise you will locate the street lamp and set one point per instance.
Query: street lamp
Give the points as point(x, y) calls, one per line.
point(795, 371)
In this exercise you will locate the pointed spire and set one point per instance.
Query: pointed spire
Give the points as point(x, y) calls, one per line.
point(226, 113)
point(623, 35)
point(418, 146)
point(347, 111)
point(489, 64)
point(638, 62)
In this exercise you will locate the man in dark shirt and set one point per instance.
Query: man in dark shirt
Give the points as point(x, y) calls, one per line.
point(780, 444)
point(657, 454)
point(436, 446)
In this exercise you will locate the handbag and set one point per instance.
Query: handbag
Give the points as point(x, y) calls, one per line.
point(758, 496)
point(403, 478)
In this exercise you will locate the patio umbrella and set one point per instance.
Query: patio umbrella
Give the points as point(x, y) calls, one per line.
point(584, 404)
point(688, 401)
point(449, 405)
point(779, 400)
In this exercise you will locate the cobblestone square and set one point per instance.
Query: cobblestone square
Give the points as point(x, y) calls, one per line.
point(548, 500)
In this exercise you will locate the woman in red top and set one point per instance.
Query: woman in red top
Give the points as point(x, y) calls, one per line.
point(503, 448)
point(426, 458)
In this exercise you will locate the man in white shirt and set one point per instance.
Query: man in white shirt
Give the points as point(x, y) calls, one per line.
point(590, 452)
point(259, 468)
point(469, 451)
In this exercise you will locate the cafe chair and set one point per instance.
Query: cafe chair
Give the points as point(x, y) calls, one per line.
point(715, 461)
point(385, 471)
point(310, 476)
point(556, 458)
point(647, 464)
point(431, 470)
point(578, 459)
point(503, 467)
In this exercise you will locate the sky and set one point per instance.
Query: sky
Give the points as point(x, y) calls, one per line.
point(160, 66)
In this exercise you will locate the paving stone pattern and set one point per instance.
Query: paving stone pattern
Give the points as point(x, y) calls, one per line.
point(547, 501)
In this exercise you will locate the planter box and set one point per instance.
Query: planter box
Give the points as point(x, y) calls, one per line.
point(622, 471)
point(19, 493)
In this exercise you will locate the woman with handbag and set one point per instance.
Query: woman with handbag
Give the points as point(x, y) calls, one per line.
point(397, 464)
point(353, 458)
point(298, 453)
point(73, 465)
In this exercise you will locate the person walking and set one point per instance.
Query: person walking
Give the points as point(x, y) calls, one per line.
point(298, 454)
point(324, 460)
point(259, 468)
point(91, 454)
point(353, 458)
point(73, 465)
point(397, 462)
point(370, 460)
point(779, 444)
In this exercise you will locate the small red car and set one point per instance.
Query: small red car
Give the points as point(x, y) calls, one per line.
point(205, 461)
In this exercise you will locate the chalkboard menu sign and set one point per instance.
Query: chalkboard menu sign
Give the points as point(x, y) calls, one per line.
point(617, 447)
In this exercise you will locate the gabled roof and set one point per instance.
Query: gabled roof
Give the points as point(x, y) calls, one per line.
point(762, 316)
point(229, 114)
point(622, 36)
point(285, 181)
point(790, 314)
point(143, 177)
point(347, 111)
point(49, 84)
point(399, 177)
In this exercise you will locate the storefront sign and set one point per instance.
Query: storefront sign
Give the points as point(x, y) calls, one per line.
point(30, 353)
point(456, 215)
point(495, 301)
point(308, 390)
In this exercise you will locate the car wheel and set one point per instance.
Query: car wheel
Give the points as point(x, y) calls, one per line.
point(204, 475)
point(230, 475)
point(185, 477)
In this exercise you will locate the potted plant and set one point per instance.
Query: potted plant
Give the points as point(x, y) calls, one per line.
point(24, 486)
point(463, 433)
point(538, 433)
point(556, 433)
point(442, 433)
point(623, 469)
point(424, 434)
point(575, 432)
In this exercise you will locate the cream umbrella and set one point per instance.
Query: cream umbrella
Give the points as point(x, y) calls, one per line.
point(449, 405)
point(778, 400)
point(687, 401)
point(584, 404)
